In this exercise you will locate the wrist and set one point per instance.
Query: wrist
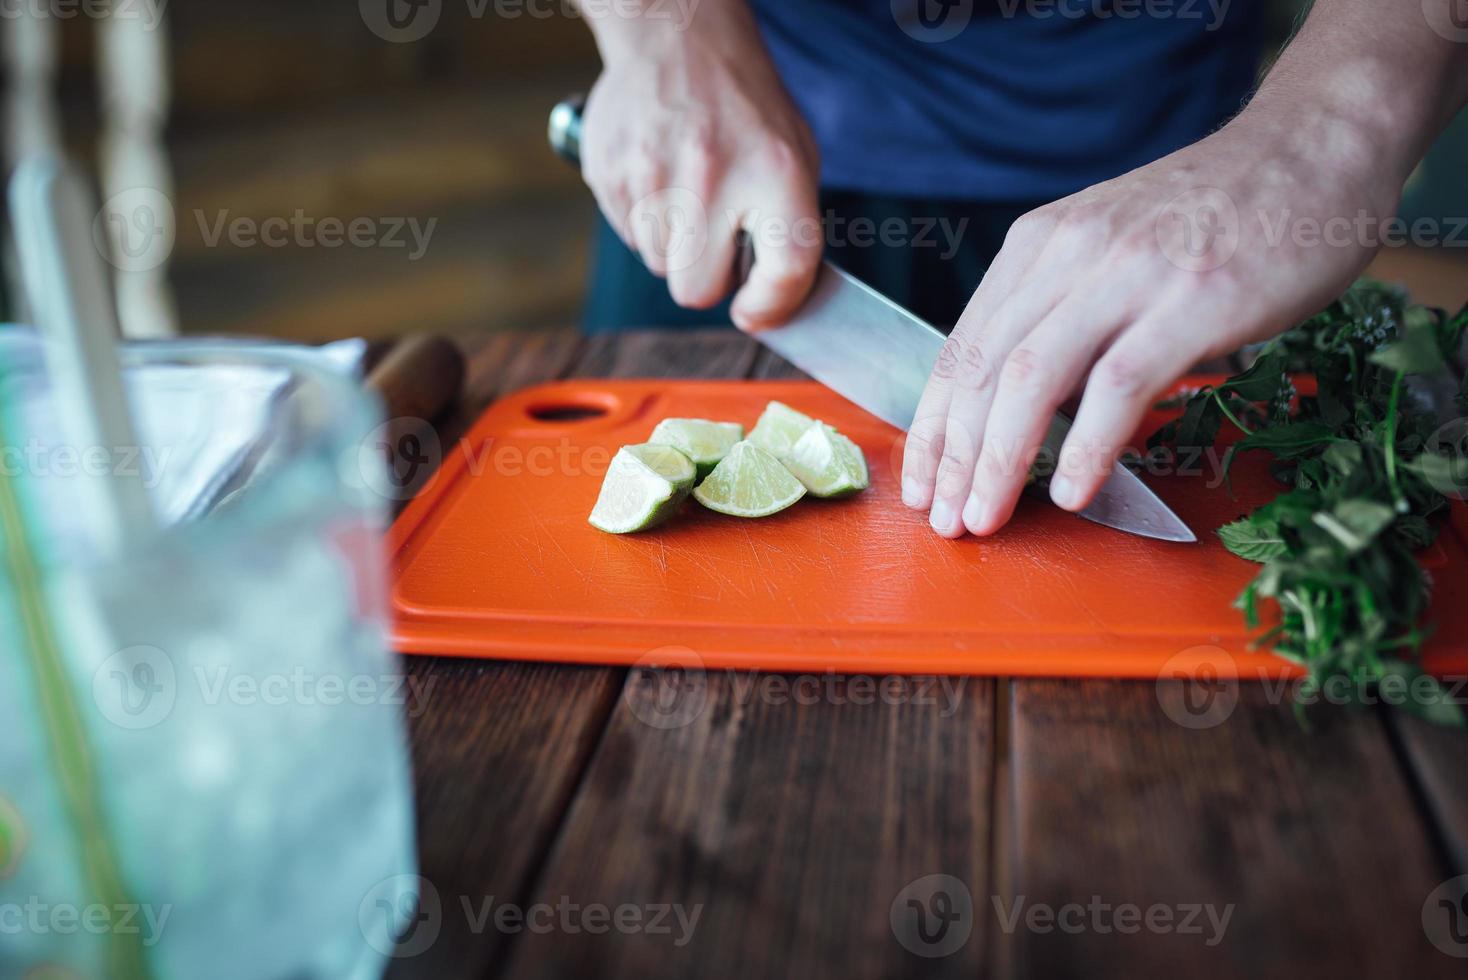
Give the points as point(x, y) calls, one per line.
point(1336, 127)
point(654, 30)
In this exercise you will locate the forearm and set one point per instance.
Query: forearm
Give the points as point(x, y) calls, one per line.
point(634, 28)
point(1365, 86)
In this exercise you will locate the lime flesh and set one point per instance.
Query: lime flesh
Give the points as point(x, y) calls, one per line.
point(703, 441)
point(749, 483)
point(667, 462)
point(778, 429)
point(828, 463)
point(634, 495)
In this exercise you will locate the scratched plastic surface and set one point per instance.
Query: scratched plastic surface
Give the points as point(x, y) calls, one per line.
point(495, 559)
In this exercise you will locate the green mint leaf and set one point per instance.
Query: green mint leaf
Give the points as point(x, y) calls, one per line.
point(1263, 380)
point(1253, 539)
point(1415, 352)
point(1291, 440)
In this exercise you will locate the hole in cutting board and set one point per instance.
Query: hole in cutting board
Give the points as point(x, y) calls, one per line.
point(565, 411)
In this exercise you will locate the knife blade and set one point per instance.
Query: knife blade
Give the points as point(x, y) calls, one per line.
point(871, 351)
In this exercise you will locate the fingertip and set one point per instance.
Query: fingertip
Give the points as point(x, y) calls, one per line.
point(914, 495)
point(1067, 494)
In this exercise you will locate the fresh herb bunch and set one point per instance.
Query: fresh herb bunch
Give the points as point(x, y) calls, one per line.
point(1364, 479)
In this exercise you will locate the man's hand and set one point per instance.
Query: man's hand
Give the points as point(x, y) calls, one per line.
point(689, 138)
point(1122, 287)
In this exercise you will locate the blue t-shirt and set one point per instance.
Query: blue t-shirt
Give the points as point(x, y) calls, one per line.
point(1007, 100)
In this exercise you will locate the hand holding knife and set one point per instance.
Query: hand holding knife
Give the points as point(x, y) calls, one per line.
point(878, 355)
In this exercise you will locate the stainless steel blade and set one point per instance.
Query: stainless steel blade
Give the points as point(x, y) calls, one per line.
point(873, 352)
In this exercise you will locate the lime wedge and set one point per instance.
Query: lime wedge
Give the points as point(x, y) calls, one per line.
point(828, 463)
point(635, 495)
point(749, 483)
point(700, 440)
point(667, 462)
point(778, 428)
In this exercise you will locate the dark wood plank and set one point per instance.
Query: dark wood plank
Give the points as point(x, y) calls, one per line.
point(789, 825)
point(1312, 838)
point(702, 353)
point(771, 366)
point(497, 747)
point(792, 827)
point(1437, 758)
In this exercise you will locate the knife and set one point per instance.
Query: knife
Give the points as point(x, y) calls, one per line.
point(873, 352)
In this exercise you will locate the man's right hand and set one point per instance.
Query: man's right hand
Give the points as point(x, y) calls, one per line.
point(688, 138)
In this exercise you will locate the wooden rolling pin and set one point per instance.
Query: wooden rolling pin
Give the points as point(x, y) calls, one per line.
point(419, 378)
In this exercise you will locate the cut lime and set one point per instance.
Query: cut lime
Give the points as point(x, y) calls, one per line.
point(634, 495)
point(778, 428)
point(749, 483)
point(828, 463)
point(667, 462)
point(700, 440)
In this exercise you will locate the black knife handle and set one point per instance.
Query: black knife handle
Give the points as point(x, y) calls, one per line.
point(564, 133)
point(565, 129)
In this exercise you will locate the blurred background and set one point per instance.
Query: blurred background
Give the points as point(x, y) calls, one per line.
point(277, 108)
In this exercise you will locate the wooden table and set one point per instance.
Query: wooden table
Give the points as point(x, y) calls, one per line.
point(792, 821)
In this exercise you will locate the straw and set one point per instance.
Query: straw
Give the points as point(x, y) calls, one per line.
point(72, 307)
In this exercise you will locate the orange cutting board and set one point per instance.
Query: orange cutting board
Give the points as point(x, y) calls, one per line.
point(494, 558)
